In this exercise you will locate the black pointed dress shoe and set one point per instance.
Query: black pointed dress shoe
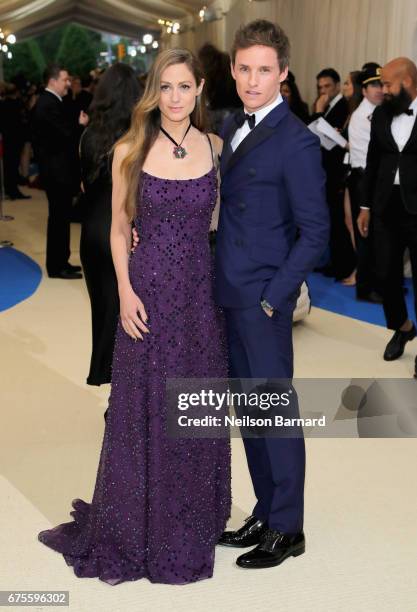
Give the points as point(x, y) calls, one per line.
point(249, 534)
point(73, 268)
point(66, 275)
point(395, 347)
point(273, 550)
point(20, 196)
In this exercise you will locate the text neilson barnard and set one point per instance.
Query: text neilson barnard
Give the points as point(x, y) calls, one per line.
point(248, 421)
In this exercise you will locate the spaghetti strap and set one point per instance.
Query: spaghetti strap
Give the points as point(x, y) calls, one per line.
point(212, 152)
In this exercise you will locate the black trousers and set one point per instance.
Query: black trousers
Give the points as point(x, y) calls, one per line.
point(342, 253)
point(365, 265)
point(11, 161)
point(58, 232)
point(394, 229)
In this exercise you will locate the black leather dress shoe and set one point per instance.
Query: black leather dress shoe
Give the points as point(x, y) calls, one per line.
point(395, 347)
point(371, 296)
point(66, 275)
point(20, 196)
point(72, 268)
point(250, 534)
point(273, 550)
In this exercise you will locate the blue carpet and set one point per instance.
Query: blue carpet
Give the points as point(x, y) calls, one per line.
point(19, 277)
point(327, 294)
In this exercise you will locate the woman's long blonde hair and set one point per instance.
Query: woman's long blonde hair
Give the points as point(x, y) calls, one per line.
point(146, 120)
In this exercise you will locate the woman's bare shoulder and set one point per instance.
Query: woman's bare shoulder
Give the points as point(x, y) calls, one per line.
point(217, 142)
point(121, 150)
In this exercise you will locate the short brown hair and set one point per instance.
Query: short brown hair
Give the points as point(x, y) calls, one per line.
point(52, 71)
point(266, 33)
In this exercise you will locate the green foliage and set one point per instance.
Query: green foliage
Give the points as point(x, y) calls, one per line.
point(75, 51)
point(27, 59)
point(50, 41)
point(76, 47)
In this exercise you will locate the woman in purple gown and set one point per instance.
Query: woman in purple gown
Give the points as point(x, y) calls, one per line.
point(160, 503)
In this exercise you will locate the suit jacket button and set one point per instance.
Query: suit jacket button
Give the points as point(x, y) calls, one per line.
point(238, 242)
point(252, 171)
point(241, 206)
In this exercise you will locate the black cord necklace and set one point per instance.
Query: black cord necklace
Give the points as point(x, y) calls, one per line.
point(178, 151)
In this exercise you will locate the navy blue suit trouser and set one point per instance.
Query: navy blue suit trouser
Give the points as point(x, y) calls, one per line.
point(261, 347)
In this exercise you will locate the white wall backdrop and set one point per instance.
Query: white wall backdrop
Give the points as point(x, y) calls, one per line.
point(339, 33)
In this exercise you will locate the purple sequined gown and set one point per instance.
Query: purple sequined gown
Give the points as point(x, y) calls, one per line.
point(160, 503)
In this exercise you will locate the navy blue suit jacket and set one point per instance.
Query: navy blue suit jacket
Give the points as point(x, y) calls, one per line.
point(274, 221)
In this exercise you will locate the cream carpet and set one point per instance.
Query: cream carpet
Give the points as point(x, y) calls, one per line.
point(361, 495)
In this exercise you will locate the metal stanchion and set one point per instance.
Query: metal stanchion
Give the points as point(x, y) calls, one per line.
point(3, 217)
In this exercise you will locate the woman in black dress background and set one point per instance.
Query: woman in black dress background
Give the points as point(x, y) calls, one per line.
point(117, 92)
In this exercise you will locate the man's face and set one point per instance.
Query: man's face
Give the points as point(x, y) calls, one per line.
point(286, 91)
point(257, 75)
point(75, 85)
point(396, 97)
point(391, 83)
point(373, 92)
point(61, 84)
point(326, 85)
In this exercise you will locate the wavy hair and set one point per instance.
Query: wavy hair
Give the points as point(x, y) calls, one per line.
point(110, 112)
point(146, 120)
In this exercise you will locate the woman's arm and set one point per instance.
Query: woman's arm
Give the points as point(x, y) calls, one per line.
point(120, 236)
point(120, 241)
point(217, 144)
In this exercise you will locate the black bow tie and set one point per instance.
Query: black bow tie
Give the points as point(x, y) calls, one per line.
point(251, 120)
point(241, 117)
point(409, 111)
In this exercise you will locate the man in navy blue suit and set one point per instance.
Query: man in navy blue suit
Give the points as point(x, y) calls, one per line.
point(273, 229)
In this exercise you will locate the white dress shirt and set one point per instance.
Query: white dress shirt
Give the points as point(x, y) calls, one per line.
point(260, 114)
point(401, 128)
point(53, 92)
point(360, 133)
point(333, 103)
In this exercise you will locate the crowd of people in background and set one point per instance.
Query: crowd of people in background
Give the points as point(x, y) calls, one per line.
point(36, 157)
point(349, 259)
point(17, 105)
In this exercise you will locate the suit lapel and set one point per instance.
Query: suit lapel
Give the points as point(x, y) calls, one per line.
point(388, 132)
point(261, 132)
point(227, 146)
point(52, 97)
point(413, 136)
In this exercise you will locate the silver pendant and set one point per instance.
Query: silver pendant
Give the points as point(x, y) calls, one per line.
point(179, 152)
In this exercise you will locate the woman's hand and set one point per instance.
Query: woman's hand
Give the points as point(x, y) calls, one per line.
point(135, 239)
point(133, 314)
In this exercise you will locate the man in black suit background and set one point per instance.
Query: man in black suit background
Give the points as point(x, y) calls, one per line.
point(55, 141)
point(333, 107)
point(85, 97)
point(390, 196)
